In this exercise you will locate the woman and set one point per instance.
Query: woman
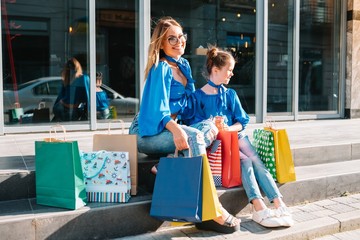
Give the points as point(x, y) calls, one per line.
point(168, 85)
point(72, 101)
point(213, 99)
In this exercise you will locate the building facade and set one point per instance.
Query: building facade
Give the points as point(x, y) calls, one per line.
point(296, 60)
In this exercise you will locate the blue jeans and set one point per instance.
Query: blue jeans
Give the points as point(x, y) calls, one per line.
point(200, 136)
point(255, 174)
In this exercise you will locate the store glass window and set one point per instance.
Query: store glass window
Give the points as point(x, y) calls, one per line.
point(45, 61)
point(227, 24)
point(319, 64)
point(280, 56)
point(117, 59)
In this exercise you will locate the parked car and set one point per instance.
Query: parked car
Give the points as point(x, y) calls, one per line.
point(46, 90)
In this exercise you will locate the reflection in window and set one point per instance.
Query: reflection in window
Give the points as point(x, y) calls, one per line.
point(38, 38)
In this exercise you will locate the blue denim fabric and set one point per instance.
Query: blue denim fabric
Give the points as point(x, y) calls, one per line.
point(255, 174)
point(200, 136)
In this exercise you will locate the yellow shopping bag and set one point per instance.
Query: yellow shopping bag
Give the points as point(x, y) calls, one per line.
point(211, 207)
point(285, 170)
point(210, 201)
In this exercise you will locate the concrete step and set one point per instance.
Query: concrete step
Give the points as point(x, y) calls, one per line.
point(24, 219)
point(17, 173)
point(330, 219)
point(17, 183)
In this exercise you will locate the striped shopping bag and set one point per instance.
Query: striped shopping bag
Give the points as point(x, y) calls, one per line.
point(214, 156)
point(106, 175)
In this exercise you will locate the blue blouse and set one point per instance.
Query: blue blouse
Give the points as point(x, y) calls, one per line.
point(206, 106)
point(77, 92)
point(162, 96)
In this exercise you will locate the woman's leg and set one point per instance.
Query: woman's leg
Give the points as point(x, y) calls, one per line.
point(161, 144)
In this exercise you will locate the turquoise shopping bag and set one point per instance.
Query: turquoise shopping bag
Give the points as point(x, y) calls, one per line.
point(58, 175)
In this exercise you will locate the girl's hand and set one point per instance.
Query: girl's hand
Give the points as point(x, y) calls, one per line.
point(236, 127)
point(226, 127)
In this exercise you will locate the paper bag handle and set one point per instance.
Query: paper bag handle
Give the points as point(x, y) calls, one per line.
point(54, 127)
point(270, 123)
point(16, 105)
point(118, 120)
point(176, 153)
point(42, 105)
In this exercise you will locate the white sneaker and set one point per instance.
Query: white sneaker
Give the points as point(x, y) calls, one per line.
point(267, 218)
point(284, 213)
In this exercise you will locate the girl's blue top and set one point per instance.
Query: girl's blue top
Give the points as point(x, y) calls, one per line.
point(162, 96)
point(206, 106)
point(102, 101)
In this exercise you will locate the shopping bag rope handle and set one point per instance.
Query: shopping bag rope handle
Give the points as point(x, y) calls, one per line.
point(54, 127)
point(114, 121)
point(99, 153)
point(42, 105)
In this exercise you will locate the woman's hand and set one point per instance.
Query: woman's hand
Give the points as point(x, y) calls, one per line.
point(179, 135)
point(180, 139)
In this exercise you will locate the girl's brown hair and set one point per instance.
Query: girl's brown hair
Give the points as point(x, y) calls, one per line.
point(215, 57)
point(157, 39)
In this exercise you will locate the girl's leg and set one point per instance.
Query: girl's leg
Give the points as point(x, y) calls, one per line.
point(262, 175)
point(208, 128)
point(264, 216)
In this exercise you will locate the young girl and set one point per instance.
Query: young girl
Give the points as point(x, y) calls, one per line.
point(102, 103)
point(213, 99)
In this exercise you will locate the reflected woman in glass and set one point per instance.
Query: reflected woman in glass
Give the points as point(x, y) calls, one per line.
point(72, 101)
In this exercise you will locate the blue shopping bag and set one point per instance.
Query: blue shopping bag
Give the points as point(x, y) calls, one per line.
point(177, 194)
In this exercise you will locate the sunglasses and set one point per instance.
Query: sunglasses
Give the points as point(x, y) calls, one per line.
point(173, 40)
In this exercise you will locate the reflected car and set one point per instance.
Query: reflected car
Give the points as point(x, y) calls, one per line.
point(46, 90)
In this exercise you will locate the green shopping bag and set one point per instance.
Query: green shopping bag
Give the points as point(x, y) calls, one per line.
point(16, 113)
point(59, 178)
point(264, 145)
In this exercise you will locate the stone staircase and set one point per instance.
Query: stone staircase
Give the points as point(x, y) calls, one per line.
point(324, 169)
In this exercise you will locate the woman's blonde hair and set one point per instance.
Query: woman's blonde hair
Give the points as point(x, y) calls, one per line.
point(216, 57)
point(72, 70)
point(157, 38)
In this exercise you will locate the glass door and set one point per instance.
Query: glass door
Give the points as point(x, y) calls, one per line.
point(319, 63)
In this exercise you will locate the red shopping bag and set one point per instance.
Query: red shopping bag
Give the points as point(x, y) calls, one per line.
point(231, 171)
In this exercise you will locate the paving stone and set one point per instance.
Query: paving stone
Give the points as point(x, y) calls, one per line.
point(324, 213)
point(311, 207)
point(325, 202)
point(348, 220)
point(356, 196)
point(340, 208)
point(346, 200)
point(356, 205)
point(303, 216)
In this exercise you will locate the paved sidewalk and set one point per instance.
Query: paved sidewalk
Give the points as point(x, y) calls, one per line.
point(312, 220)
